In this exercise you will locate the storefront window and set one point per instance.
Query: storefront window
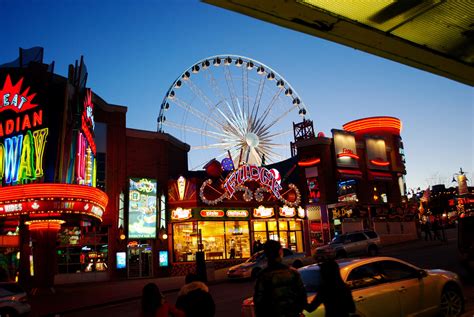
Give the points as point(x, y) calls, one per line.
point(82, 249)
point(213, 238)
point(291, 235)
point(237, 238)
point(272, 226)
point(185, 241)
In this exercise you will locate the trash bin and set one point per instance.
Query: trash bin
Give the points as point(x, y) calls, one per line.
point(210, 271)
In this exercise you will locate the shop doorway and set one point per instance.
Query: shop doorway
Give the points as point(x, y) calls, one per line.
point(139, 261)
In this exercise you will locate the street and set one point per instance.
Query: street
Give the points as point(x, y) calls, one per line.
point(228, 296)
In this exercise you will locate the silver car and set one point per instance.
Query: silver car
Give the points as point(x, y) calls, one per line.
point(258, 261)
point(366, 242)
point(13, 300)
point(389, 287)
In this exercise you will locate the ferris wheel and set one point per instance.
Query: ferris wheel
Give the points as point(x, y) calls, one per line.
point(229, 105)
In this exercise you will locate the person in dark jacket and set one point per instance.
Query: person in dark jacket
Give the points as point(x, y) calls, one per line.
point(194, 298)
point(153, 303)
point(333, 292)
point(279, 290)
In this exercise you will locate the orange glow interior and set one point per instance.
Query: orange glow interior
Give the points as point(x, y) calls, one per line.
point(50, 224)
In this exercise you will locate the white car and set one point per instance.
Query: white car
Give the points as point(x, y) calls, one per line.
point(385, 286)
point(13, 300)
point(258, 261)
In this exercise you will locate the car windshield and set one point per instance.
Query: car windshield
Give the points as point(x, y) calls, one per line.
point(257, 256)
point(311, 279)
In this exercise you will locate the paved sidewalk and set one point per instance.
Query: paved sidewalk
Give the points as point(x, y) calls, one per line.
point(77, 297)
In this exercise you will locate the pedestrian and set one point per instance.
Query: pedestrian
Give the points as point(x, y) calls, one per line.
point(194, 298)
point(333, 293)
point(279, 290)
point(154, 303)
point(232, 249)
point(436, 227)
point(254, 247)
point(427, 230)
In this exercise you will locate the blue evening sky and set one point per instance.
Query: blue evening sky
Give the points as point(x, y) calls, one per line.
point(134, 50)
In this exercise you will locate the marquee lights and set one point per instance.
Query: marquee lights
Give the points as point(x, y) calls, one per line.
point(379, 123)
point(286, 211)
point(237, 213)
point(181, 187)
point(47, 224)
point(30, 192)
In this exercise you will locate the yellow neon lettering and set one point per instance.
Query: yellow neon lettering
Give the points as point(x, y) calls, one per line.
point(26, 169)
point(2, 160)
point(40, 143)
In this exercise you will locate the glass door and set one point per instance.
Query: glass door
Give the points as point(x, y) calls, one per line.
point(139, 261)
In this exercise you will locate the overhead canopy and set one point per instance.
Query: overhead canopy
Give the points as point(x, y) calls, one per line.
point(433, 35)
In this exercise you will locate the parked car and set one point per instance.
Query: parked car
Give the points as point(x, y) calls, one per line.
point(13, 300)
point(385, 286)
point(258, 261)
point(366, 242)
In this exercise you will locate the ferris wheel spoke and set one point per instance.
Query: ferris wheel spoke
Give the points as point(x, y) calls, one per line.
point(267, 136)
point(201, 165)
point(181, 127)
point(198, 114)
point(221, 145)
point(245, 90)
point(256, 104)
point(199, 93)
point(275, 121)
point(262, 119)
point(230, 86)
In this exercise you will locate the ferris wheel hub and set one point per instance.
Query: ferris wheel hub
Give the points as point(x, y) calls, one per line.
point(252, 139)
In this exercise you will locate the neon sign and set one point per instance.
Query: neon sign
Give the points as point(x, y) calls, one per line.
point(13, 99)
point(252, 173)
point(181, 214)
point(21, 155)
point(263, 212)
point(286, 211)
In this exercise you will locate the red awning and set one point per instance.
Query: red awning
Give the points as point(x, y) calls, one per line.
point(380, 176)
point(346, 173)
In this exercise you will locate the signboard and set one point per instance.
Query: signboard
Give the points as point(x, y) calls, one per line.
point(263, 212)
point(181, 214)
point(286, 211)
point(121, 260)
point(237, 213)
point(22, 135)
point(345, 149)
point(255, 173)
point(142, 208)
point(85, 145)
point(212, 213)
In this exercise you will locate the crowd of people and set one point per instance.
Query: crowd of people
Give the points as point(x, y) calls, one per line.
point(433, 230)
point(279, 292)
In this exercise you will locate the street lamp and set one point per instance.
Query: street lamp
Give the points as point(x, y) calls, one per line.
point(461, 179)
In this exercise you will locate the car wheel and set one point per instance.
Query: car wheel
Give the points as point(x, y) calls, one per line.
point(297, 264)
point(255, 272)
point(7, 312)
point(341, 254)
point(373, 250)
point(452, 302)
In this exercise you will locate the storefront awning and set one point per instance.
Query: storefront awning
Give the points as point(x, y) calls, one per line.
point(348, 174)
point(380, 176)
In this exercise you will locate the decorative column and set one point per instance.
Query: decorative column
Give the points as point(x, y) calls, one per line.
point(44, 238)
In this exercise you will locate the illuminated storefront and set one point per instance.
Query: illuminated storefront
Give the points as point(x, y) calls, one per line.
point(225, 217)
point(47, 174)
